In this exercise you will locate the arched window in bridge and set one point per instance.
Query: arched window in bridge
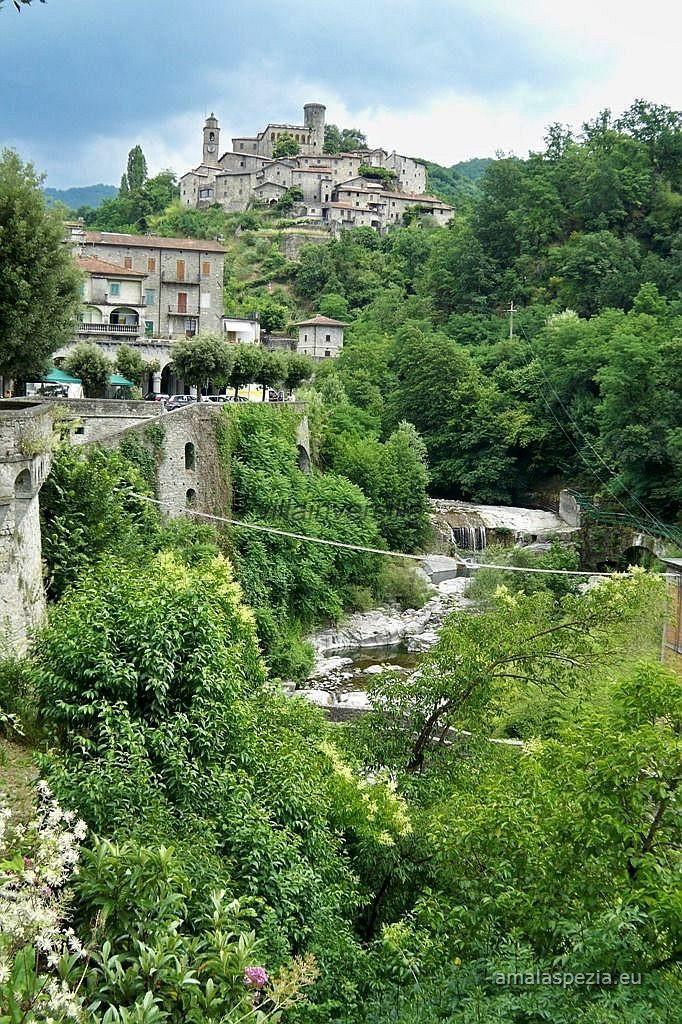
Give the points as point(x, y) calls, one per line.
point(190, 456)
point(22, 484)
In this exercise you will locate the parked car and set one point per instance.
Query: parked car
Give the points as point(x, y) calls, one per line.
point(154, 396)
point(178, 402)
point(275, 396)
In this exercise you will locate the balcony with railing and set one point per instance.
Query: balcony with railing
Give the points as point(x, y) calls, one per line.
point(129, 330)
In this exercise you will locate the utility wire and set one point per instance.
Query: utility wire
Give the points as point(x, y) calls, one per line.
point(241, 524)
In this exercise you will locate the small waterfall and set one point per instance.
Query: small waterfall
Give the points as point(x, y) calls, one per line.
point(469, 538)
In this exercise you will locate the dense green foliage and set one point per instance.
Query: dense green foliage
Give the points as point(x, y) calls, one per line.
point(343, 140)
point(589, 396)
point(416, 886)
point(394, 870)
point(450, 184)
point(39, 284)
point(87, 362)
point(138, 201)
point(73, 198)
point(291, 584)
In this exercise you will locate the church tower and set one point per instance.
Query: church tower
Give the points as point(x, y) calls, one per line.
point(211, 141)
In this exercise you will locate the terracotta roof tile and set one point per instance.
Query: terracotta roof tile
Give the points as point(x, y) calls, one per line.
point(320, 321)
point(94, 265)
point(153, 241)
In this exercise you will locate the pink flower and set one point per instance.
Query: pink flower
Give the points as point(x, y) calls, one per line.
point(256, 977)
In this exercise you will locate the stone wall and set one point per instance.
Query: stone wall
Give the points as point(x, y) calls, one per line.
point(99, 418)
point(188, 473)
point(25, 444)
point(293, 241)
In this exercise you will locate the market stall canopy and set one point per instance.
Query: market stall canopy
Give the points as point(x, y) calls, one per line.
point(57, 376)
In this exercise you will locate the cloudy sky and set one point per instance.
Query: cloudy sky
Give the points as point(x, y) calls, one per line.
point(82, 81)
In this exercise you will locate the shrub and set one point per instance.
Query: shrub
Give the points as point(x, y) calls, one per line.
point(18, 709)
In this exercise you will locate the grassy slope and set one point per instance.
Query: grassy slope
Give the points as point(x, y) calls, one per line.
point(17, 776)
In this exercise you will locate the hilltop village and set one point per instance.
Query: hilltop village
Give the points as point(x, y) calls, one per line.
point(361, 188)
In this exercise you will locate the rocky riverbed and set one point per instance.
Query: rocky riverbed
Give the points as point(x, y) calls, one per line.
point(385, 639)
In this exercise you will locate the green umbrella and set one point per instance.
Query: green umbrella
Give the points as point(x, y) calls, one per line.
point(117, 381)
point(57, 376)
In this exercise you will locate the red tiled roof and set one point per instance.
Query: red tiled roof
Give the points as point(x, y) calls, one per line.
point(153, 241)
point(320, 321)
point(94, 265)
point(414, 196)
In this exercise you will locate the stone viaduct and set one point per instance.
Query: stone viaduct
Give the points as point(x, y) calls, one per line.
point(188, 475)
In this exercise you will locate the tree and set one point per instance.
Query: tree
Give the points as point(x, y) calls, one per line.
point(286, 145)
point(298, 369)
point(21, 3)
point(521, 638)
point(88, 362)
point(272, 370)
point(334, 306)
point(131, 364)
point(39, 282)
point(338, 140)
point(274, 315)
point(246, 367)
point(136, 173)
point(288, 199)
point(203, 360)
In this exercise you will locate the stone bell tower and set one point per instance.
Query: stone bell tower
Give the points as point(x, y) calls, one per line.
point(211, 141)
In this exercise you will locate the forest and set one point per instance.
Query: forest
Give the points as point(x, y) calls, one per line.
point(498, 841)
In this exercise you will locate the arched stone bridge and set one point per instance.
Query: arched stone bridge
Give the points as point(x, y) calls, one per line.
point(188, 474)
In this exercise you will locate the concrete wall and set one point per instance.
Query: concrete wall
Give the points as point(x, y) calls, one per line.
point(25, 442)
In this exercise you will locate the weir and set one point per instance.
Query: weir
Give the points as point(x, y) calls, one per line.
point(465, 526)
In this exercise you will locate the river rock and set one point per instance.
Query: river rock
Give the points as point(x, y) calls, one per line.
point(375, 670)
point(321, 698)
point(324, 668)
point(357, 699)
point(422, 642)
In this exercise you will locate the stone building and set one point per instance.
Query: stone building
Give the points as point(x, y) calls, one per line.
point(320, 337)
point(145, 291)
point(309, 135)
point(182, 278)
point(249, 175)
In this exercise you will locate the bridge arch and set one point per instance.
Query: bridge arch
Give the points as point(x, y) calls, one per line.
point(23, 484)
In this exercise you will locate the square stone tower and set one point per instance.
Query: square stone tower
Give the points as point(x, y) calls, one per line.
point(314, 118)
